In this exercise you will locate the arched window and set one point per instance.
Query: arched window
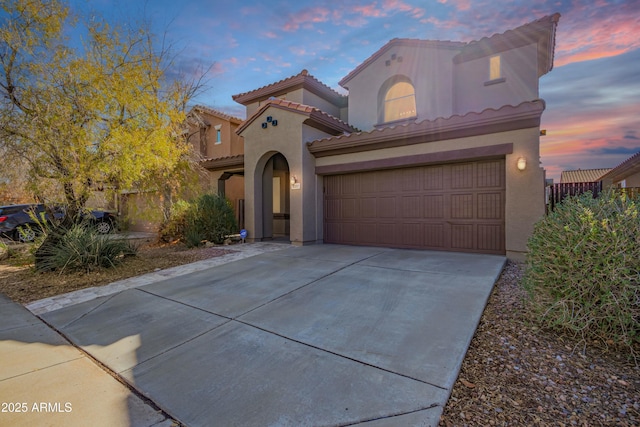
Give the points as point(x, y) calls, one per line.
point(399, 102)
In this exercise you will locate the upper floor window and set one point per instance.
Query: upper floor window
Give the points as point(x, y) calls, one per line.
point(218, 134)
point(494, 68)
point(399, 102)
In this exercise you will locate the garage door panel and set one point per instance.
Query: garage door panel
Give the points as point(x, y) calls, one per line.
point(462, 206)
point(489, 206)
point(349, 208)
point(490, 237)
point(386, 207)
point(332, 209)
point(411, 234)
point(411, 179)
point(462, 176)
point(457, 207)
point(490, 174)
point(367, 233)
point(349, 185)
point(387, 233)
point(434, 206)
point(411, 206)
point(433, 178)
point(462, 236)
point(368, 207)
point(434, 236)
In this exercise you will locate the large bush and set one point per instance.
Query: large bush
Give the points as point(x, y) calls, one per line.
point(583, 268)
point(208, 218)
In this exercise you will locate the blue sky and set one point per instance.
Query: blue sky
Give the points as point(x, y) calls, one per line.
point(592, 94)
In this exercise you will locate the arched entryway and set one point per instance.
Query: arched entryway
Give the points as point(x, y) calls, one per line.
point(276, 198)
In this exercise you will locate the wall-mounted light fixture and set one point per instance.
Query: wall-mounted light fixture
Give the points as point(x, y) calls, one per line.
point(295, 185)
point(522, 163)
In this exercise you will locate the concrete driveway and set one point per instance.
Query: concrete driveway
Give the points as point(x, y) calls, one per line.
point(322, 335)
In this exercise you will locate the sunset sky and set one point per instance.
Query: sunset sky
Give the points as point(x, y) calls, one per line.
point(592, 94)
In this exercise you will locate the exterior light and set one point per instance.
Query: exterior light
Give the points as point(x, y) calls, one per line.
point(295, 185)
point(522, 163)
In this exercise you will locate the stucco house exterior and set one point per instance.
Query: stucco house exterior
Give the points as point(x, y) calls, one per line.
point(436, 146)
point(625, 175)
point(218, 149)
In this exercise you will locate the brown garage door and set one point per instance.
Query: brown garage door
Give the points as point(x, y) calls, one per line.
point(453, 207)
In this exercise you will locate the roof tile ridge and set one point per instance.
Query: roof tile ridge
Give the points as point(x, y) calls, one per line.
point(549, 18)
point(214, 111)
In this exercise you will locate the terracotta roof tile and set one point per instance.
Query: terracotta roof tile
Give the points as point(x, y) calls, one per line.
point(526, 114)
point(467, 49)
point(217, 113)
point(541, 31)
point(313, 112)
point(303, 78)
point(400, 42)
point(223, 162)
point(582, 175)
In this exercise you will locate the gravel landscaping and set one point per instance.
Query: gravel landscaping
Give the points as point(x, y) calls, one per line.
point(515, 374)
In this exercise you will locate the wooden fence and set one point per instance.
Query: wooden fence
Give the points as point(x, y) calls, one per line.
point(557, 192)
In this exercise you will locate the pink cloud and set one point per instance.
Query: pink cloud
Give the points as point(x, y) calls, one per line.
point(458, 4)
point(270, 35)
point(306, 18)
point(370, 10)
point(584, 36)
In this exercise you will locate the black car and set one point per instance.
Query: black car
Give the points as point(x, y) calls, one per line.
point(17, 223)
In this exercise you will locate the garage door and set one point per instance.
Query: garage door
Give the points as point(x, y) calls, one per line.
point(452, 207)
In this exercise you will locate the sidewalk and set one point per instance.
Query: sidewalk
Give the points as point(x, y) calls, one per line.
point(44, 380)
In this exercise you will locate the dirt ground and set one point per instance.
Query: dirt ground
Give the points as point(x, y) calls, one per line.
point(514, 374)
point(20, 282)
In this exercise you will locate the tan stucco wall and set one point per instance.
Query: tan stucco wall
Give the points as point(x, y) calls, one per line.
point(524, 189)
point(288, 138)
point(633, 180)
point(519, 68)
point(429, 69)
point(231, 144)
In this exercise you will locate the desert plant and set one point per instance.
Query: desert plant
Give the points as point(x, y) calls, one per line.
point(208, 218)
point(583, 268)
point(82, 248)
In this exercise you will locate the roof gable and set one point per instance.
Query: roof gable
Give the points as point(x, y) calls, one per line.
point(302, 80)
point(215, 113)
point(541, 31)
point(316, 117)
point(417, 43)
point(624, 169)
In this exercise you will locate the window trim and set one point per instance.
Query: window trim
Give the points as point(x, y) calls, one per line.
point(218, 129)
point(382, 100)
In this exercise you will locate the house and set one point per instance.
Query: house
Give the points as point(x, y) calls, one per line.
point(219, 150)
point(436, 146)
point(212, 134)
point(625, 175)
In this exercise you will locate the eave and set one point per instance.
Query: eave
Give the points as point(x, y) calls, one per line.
point(507, 118)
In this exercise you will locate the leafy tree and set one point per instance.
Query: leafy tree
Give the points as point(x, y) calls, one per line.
point(101, 113)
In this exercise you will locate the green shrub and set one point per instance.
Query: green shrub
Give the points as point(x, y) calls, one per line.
point(81, 248)
point(208, 218)
point(583, 268)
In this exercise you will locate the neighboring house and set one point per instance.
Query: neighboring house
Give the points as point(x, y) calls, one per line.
point(582, 176)
point(436, 146)
point(213, 134)
point(625, 175)
point(220, 151)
